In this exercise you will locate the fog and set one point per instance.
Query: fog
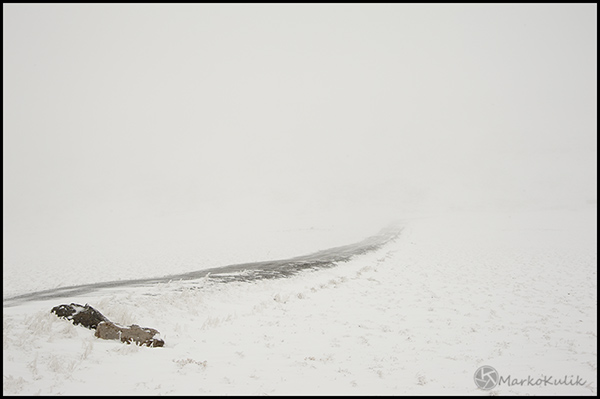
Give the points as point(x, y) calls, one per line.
point(161, 116)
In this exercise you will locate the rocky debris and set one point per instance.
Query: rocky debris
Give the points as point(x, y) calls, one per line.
point(90, 318)
point(86, 315)
point(142, 336)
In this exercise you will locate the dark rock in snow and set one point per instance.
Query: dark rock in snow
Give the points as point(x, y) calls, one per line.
point(86, 315)
point(90, 318)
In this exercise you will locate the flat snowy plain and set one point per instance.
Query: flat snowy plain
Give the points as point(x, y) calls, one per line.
point(455, 291)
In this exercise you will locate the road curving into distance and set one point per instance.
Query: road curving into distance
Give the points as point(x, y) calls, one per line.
point(238, 272)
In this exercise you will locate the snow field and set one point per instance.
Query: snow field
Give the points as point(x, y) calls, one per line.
point(514, 291)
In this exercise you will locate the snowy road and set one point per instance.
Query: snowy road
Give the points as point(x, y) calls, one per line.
point(238, 272)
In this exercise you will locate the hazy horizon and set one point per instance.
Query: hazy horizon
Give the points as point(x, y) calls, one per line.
point(120, 113)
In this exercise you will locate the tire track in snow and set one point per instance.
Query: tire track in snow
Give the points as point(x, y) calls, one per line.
point(238, 272)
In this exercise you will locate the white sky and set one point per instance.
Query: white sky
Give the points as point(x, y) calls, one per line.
point(151, 109)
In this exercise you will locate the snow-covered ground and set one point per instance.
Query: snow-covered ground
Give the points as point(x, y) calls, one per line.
point(513, 290)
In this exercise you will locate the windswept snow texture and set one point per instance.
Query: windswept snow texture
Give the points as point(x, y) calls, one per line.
point(515, 291)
